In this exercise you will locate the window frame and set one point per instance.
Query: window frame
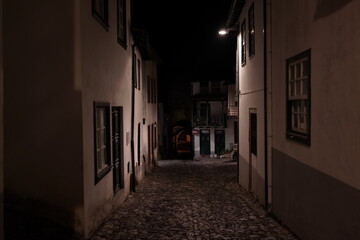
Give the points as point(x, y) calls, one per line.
point(122, 23)
point(251, 30)
point(101, 17)
point(138, 73)
point(298, 101)
point(243, 42)
point(107, 162)
point(148, 79)
point(135, 70)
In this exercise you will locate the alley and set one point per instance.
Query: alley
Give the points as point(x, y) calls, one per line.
point(191, 200)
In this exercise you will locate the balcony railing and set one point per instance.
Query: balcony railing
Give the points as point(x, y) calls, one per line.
point(211, 121)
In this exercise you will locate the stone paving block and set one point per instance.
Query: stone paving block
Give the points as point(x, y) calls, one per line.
point(193, 200)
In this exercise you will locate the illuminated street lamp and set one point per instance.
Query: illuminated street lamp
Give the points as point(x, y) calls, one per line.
point(223, 31)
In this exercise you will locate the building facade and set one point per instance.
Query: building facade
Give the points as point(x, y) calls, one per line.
point(73, 91)
point(316, 130)
point(298, 86)
point(211, 134)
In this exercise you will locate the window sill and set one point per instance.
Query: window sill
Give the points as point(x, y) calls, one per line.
point(298, 138)
point(102, 174)
point(101, 21)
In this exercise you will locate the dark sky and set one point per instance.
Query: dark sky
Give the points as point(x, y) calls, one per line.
point(186, 36)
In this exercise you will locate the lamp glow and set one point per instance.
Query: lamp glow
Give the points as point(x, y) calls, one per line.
point(223, 32)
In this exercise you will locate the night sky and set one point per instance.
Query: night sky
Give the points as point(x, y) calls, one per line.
point(186, 38)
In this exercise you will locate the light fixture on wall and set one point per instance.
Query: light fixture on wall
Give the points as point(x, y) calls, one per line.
point(225, 31)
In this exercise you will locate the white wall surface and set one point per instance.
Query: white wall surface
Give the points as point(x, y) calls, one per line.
point(106, 77)
point(251, 84)
point(329, 31)
point(229, 133)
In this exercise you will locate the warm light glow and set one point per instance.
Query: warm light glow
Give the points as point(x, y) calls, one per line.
point(223, 32)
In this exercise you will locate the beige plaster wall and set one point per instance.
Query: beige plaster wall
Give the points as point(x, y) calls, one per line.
point(106, 76)
point(138, 119)
point(42, 109)
point(251, 84)
point(151, 108)
point(329, 30)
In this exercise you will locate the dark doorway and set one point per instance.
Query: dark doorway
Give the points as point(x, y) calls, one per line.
point(236, 132)
point(252, 143)
point(117, 151)
point(149, 158)
point(219, 142)
point(205, 142)
point(138, 146)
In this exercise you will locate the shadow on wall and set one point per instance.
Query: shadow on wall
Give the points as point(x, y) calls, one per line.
point(325, 8)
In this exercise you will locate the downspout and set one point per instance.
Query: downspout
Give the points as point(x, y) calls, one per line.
point(133, 177)
point(265, 105)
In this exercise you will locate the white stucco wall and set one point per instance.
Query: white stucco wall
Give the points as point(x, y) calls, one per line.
point(335, 54)
point(151, 115)
point(106, 76)
point(229, 133)
point(251, 84)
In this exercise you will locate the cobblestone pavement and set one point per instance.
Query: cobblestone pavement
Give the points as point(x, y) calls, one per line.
point(191, 200)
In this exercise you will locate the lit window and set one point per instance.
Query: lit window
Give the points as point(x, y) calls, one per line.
point(298, 97)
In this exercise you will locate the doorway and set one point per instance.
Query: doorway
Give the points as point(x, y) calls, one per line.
point(219, 142)
point(252, 144)
point(117, 151)
point(205, 142)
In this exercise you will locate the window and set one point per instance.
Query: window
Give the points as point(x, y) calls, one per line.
point(102, 140)
point(153, 90)
point(148, 89)
point(251, 30)
point(243, 42)
point(298, 97)
point(121, 23)
point(215, 88)
point(100, 11)
point(138, 73)
point(204, 87)
point(135, 75)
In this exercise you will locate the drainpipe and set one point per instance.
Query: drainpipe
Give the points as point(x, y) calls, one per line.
point(267, 112)
point(132, 177)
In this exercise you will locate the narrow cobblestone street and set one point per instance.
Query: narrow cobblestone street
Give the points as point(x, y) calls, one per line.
point(191, 200)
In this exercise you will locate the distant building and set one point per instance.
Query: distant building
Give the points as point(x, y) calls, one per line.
point(209, 119)
point(299, 130)
point(80, 109)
